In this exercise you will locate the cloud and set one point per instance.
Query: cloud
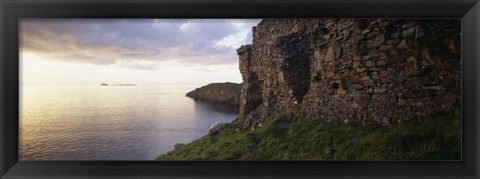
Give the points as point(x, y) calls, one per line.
point(138, 64)
point(82, 58)
point(136, 43)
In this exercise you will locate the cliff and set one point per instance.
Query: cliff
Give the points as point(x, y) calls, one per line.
point(221, 93)
point(355, 70)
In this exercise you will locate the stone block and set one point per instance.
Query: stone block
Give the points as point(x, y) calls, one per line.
point(357, 96)
point(318, 54)
point(386, 47)
point(354, 105)
point(381, 63)
point(361, 70)
point(356, 58)
point(356, 64)
point(379, 40)
point(356, 86)
point(330, 54)
point(369, 63)
point(379, 90)
point(408, 32)
point(403, 45)
point(366, 57)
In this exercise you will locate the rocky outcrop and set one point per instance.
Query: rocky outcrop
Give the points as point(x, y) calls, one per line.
point(383, 70)
point(220, 93)
point(217, 127)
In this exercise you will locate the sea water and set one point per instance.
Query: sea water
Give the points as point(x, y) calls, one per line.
point(111, 122)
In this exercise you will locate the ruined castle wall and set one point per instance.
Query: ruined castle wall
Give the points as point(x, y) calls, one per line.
point(250, 95)
point(351, 69)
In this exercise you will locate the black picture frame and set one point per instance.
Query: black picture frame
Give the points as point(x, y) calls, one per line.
point(12, 10)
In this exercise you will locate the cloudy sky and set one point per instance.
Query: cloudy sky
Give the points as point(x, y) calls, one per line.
point(140, 51)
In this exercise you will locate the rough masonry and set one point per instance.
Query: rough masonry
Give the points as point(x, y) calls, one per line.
point(352, 70)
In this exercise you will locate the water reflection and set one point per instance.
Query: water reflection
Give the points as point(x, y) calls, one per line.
point(114, 123)
point(225, 108)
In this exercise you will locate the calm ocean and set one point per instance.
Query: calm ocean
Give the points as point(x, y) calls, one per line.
point(110, 123)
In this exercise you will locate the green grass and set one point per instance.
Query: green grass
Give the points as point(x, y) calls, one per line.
point(287, 137)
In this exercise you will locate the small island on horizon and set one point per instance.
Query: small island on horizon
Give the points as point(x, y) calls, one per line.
point(106, 84)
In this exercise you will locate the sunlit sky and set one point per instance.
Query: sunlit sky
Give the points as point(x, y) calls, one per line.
point(138, 51)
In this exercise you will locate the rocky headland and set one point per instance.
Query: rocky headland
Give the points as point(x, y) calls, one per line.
point(218, 93)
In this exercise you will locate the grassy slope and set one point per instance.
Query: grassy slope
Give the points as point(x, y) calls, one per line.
point(285, 137)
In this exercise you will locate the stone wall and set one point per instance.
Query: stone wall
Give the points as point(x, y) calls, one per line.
point(385, 70)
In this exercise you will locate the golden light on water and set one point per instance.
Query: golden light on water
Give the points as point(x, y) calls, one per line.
point(109, 123)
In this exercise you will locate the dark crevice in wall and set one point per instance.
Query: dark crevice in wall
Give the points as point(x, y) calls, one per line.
point(295, 63)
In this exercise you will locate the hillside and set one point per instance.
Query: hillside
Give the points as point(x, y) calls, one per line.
point(287, 137)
